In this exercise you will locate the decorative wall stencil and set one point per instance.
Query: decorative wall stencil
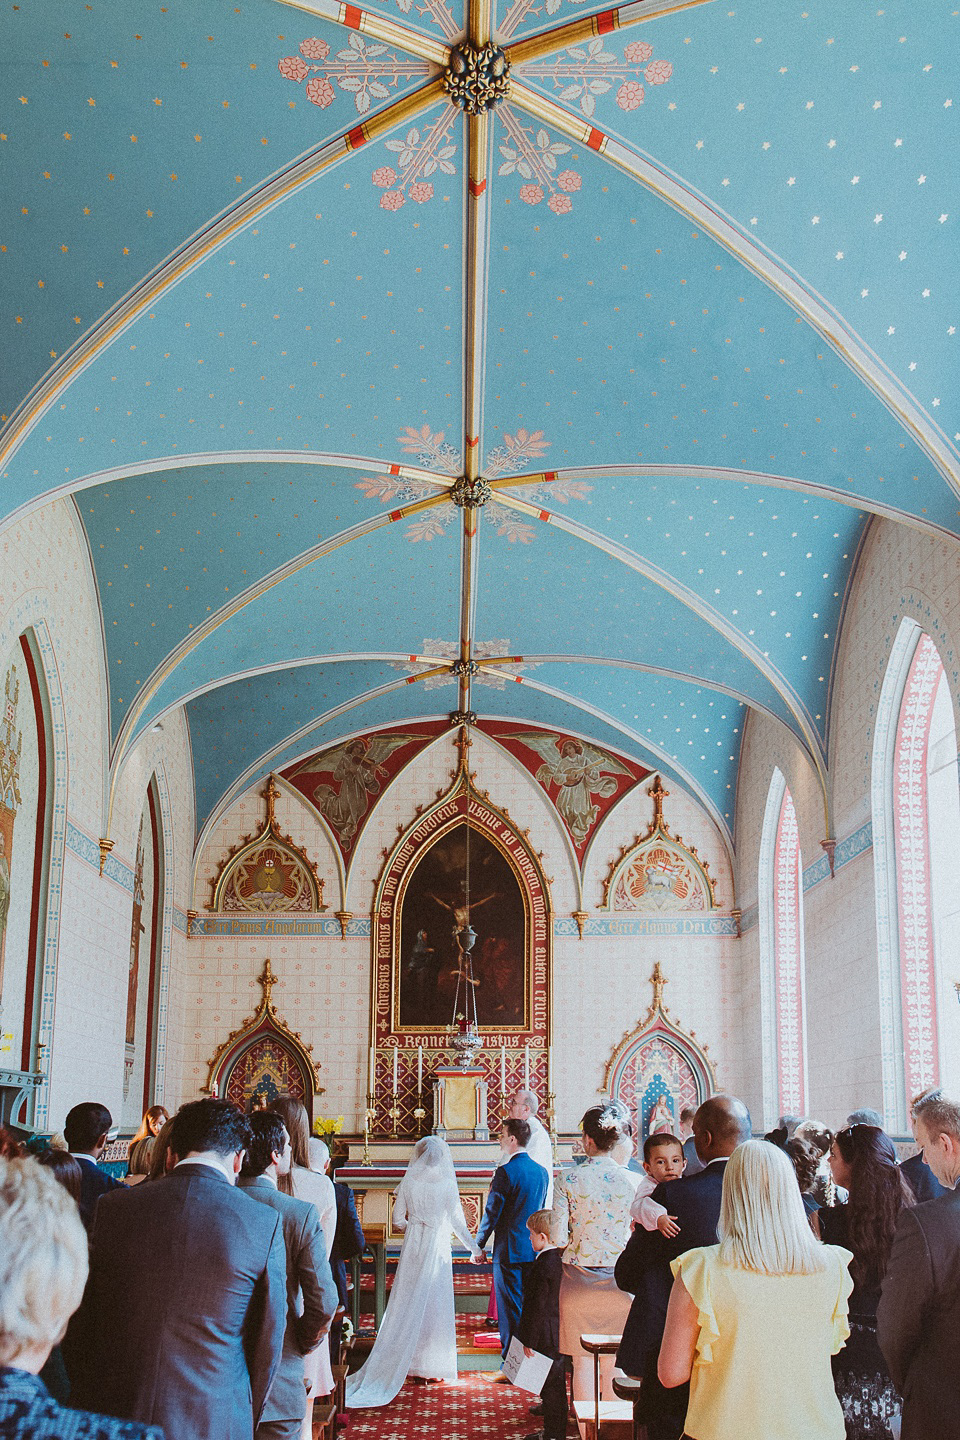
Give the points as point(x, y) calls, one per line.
point(658, 873)
point(366, 70)
point(267, 873)
point(435, 452)
point(264, 1058)
point(658, 1070)
point(582, 781)
point(584, 73)
point(914, 897)
point(410, 1035)
point(344, 782)
point(11, 744)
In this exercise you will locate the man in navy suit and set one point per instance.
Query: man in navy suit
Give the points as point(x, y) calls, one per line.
point(183, 1319)
point(85, 1132)
point(719, 1126)
point(518, 1188)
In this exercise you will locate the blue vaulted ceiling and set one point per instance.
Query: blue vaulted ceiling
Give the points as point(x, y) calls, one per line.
point(694, 319)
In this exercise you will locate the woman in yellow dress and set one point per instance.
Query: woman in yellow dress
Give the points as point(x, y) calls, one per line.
point(752, 1322)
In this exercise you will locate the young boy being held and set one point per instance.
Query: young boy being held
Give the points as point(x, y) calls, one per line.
point(663, 1160)
point(539, 1327)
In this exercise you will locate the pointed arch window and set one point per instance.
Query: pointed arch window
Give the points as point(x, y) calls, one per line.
point(782, 981)
point(916, 818)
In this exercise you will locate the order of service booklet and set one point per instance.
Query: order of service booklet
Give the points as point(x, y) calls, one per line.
point(527, 1372)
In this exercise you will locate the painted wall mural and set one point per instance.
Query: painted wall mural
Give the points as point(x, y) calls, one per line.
point(659, 874)
point(344, 782)
point(582, 781)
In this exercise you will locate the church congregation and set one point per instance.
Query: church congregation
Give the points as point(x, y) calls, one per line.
point(209, 1288)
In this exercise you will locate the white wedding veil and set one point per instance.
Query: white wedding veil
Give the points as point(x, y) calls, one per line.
point(431, 1161)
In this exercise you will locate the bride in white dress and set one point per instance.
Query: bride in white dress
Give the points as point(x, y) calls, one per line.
point(418, 1334)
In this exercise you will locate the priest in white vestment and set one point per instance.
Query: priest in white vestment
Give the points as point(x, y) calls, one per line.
point(524, 1106)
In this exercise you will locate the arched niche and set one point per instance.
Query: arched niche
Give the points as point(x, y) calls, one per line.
point(658, 874)
point(267, 874)
point(659, 1069)
point(264, 1059)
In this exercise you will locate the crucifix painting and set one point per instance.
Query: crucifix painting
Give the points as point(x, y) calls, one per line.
point(433, 916)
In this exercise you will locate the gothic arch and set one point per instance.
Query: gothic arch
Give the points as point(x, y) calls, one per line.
point(782, 977)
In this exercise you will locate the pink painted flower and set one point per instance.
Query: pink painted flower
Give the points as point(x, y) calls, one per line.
point(658, 72)
point(391, 199)
point(560, 204)
point(569, 180)
point(384, 177)
point(320, 91)
point(315, 49)
point(293, 68)
point(421, 191)
point(630, 95)
point(531, 194)
point(637, 50)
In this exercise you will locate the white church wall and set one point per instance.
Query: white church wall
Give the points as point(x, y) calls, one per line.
point(601, 984)
point(47, 587)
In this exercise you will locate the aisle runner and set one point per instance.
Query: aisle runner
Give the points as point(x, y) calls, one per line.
point(469, 1409)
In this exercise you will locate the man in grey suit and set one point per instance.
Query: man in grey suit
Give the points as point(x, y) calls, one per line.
point(918, 1319)
point(183, 1317)
point(311, 1293)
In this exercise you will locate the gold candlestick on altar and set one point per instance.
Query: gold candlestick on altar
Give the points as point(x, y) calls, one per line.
point(551, 1125)
point(369, 1115)
point(419, 1113)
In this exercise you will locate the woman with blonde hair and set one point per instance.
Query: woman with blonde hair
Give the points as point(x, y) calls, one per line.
point(139, 1160)
point(306, 1184)
point(767, 1289)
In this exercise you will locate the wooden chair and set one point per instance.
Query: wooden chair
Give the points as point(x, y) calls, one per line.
point(597, 1345)
point(324, 1417)
point(628, 1387)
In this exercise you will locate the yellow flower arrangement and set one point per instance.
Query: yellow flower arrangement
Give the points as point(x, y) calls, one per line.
point(324, 1127)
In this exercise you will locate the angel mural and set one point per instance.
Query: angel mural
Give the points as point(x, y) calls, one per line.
point(580, 771)
point(356, 769)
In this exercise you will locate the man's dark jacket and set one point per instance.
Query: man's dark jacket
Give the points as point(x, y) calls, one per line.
point(311, 1295)
point(918, 1318)
point(644, 1267)
point(182, 1321)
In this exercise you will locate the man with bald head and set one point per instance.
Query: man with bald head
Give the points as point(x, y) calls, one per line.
point(719, 1126)
point(524, 1106)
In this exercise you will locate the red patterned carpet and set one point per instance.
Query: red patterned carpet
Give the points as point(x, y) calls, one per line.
point(470, 1409)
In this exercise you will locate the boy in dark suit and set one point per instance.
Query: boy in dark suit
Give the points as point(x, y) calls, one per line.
point(539, 1327)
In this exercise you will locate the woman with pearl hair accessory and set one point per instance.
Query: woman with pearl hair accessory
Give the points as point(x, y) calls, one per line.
point(591, 1217)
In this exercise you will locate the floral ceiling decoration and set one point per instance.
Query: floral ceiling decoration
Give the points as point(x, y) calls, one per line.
point(609, 330)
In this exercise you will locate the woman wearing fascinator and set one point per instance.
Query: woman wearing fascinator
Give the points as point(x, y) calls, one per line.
point(591, 1212)
point(418, 1335)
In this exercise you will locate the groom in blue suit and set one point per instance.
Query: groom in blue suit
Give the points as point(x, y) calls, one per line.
point(518, 1188)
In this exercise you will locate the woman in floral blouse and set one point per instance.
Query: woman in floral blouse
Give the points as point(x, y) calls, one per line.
point(591, 1212)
